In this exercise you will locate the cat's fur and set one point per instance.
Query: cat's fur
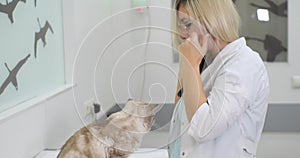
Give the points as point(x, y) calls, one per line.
point(118, 137)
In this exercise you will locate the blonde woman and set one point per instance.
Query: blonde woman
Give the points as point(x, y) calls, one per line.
point(223, 85)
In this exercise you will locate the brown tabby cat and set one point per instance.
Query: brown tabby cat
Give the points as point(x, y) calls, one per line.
point(118, 137)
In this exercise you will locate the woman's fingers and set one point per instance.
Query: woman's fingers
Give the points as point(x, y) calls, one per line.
point(200, 46)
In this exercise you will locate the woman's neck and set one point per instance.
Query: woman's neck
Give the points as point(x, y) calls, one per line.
point(222, 44)
point(217, 48)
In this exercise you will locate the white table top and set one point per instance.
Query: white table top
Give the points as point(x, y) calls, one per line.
point(150, 153)
point(141, 153)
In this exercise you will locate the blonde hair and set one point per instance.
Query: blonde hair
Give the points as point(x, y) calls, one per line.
point(219, 16)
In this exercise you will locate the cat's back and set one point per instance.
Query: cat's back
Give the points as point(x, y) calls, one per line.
point(83, 144)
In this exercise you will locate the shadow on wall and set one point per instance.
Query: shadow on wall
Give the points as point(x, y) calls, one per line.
point(272, 45)
point(280, 118)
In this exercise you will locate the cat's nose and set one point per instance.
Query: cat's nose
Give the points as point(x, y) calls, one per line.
point(155, 106)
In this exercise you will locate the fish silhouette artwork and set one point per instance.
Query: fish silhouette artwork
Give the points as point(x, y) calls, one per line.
point(41, 35)
point(272, 45)
point(9, 8)
point(279, 10)
point(12, 77)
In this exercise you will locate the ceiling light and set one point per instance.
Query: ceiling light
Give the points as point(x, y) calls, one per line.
point(263, 15)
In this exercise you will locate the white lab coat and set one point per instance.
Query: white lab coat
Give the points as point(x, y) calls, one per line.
point(237, 87)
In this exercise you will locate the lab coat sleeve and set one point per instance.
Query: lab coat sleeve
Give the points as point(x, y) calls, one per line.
point(226, 102)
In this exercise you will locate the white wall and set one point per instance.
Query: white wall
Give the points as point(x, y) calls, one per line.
point(161, 72)
point(23, 135)
point(117, 73)
point(50, 123)
point(50, 118)
point(281, 74)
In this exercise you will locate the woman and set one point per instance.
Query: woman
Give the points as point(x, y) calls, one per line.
point(220, 105)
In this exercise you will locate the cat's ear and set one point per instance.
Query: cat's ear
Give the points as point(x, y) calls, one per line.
point(113, 116)
point(129, 99)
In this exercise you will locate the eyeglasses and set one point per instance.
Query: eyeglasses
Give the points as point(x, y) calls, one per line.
point(185, 26)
